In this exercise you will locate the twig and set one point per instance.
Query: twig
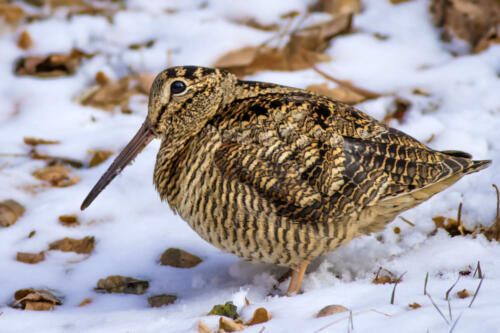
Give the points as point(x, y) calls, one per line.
point(437, 308)
point(455, 323)
point(262, 329)
point(395, 285)
point(452, 286)
point(425, 283)
point(459, 220)
point(498, 203)
point(478, 271)
point(449, 310)
point(477, 291)
point(407, 221)
point(367, 93)
point(350, 315)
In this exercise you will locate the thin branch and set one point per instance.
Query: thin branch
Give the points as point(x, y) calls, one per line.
point(407, 221)
point(452, 286)
point(478, 271)
point(395, 285)
point(437, 308)
point(477, 291)
point(425, 283)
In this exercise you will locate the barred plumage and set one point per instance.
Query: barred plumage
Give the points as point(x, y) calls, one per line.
point(277, 174)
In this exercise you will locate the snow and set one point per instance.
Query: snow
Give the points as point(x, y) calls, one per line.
point(132, 227)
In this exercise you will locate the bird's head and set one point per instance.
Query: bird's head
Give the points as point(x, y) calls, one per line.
point(181, 101)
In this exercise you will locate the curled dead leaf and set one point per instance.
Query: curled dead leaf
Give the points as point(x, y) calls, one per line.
point(229, 325)
point(463, 293)
point(179, 258)
point(53, 65)
point(37, 300)
point(10, 212)
point(99, 156)
point(24, 41)
point(122, 284)
point(161, 300)
point(261, 315)
point(331, 310)
point(69, 220)
point(57, 176)
point(81, 246)
point(476, 22)
point(304, 48)
point(30, 258)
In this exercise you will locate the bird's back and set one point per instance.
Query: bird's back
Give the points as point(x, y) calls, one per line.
point(304, 164)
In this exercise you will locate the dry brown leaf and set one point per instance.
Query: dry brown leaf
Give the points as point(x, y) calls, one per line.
point(122, 284)
point(414, 305)
point(463, 293)
point(145, 81)
point(53, 65)
point(112, 94)
point(57, 176)
point(229, 325)
point(385, 276)
point(336, 7)
point(99, 156)
point(10, 212)
point(340, 93)
point(397, 110)
point(202, 328)
point(476, 22)
point(11, 14)
point(25, 41)
point(85, 301)
point(32, 233)
point(69, 220)
point(331, 310)
point(37, 141)
point(452, 226)
point(161, 300)
point(33, 299)
point(30, 258)
point(81, 246)
point(304, 48)
point(259, 316)
point(179, 258)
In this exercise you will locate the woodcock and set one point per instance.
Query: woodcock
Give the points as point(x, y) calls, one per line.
point(276, 174)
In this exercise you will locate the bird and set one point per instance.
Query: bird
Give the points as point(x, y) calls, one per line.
point(276, 174)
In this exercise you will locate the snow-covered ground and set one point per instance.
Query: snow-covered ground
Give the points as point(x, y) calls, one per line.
point(132, 227)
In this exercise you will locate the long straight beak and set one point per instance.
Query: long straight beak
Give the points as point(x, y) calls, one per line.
point(134, 147)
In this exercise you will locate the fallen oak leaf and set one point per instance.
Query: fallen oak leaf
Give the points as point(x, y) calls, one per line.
point(53, 65)
point(11, 14)
point(81, 246)
point(203, 328)
point(56, 175)
point(31, 141)
point(336, 7)
point(463, 293)
point(69, 220)
point(30, 258)
point(122, 284)
point(10, 212)
point(35, 299)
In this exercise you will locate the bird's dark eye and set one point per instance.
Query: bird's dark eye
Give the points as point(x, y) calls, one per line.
point(177, 87)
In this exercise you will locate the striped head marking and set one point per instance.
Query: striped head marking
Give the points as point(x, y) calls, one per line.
point(181, 101)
